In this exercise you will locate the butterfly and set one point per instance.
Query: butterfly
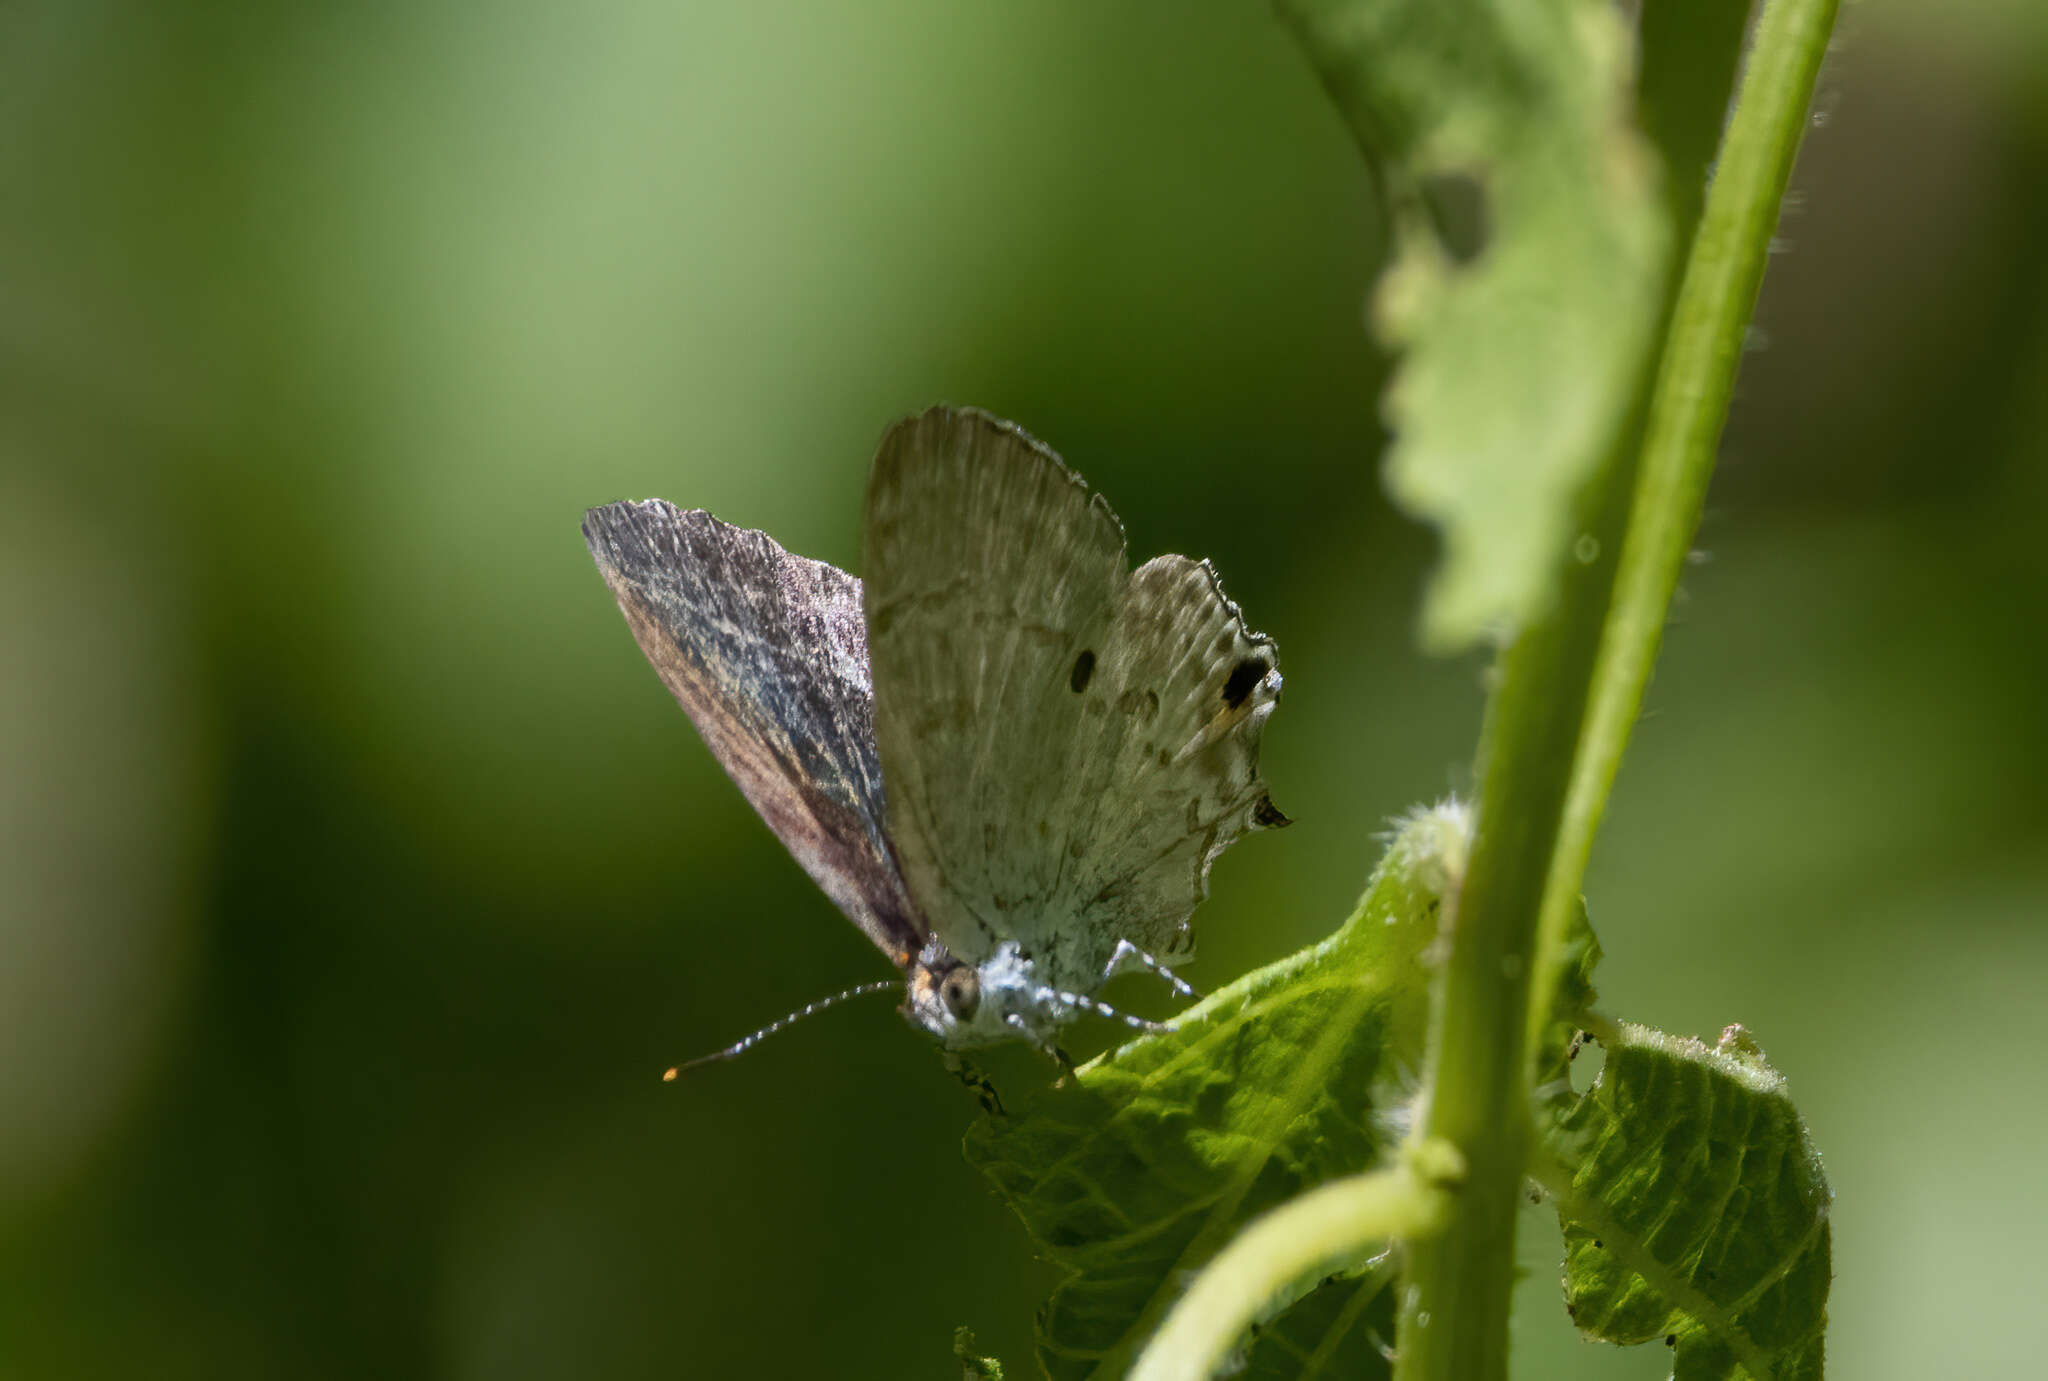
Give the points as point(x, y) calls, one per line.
point(1006, 756)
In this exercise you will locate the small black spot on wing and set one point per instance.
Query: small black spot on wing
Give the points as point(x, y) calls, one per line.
point(1268, 816)
point(1084, 668)
point(1244, 679)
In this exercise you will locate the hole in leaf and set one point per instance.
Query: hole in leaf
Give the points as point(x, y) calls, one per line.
point(1586, 1065)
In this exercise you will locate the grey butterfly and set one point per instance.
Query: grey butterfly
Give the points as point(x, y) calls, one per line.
point(1007, 757)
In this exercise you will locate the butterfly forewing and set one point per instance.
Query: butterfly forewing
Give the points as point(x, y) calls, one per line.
point(767, 653)
point(1068, 744)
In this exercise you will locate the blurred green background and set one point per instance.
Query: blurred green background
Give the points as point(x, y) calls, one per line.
point(359, 878)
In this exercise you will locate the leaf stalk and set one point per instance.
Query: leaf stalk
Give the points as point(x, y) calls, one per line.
point(1315, 1232)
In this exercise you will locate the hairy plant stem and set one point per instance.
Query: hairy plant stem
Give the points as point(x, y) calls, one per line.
point(1567, 692)
point(1702, 351)
point(1454, 1305)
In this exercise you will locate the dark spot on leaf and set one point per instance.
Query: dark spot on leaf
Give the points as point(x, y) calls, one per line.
point(1084, 667)
point(1244, 678)
point(1457, 210)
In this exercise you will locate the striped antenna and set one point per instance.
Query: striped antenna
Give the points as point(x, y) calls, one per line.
point(746, 1043)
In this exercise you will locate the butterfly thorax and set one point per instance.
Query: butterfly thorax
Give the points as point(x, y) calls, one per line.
point(1000, 999)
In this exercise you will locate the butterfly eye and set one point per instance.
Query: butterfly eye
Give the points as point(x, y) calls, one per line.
point(961, 990)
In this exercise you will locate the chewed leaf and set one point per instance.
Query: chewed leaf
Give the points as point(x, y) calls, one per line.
point(1135, 1173)
point(1697, 1211)
point(1528, 271)
point(1570, 1009)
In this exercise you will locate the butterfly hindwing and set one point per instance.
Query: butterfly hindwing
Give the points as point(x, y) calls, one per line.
point(1165, 775)
point(1067, 743)
point(767, 652)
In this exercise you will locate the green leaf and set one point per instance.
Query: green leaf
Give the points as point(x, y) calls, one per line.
point(1319, 1234)
point(1522, 360)
point(1342, 1328)
point(1696, 1210)
point(1136, 1172)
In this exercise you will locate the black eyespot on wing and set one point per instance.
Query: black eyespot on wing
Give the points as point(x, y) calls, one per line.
point(1084, 667)
point(1244, 678)
point(1268, 816)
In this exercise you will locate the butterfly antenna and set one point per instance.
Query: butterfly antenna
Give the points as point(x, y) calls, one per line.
point(746, 1043)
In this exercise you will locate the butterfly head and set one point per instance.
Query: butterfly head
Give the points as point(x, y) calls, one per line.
point(967, 1005)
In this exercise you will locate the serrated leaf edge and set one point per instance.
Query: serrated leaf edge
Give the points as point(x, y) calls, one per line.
point(1557, 1178)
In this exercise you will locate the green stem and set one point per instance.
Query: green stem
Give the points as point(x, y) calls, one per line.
point(1453, 1321)
point(1540, 796)
point(1688, 409)
point(1303, 1238)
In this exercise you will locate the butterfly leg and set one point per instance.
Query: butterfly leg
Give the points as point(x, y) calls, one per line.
point(1041, 1042)
point(1128, 958)
point(972, 1078)
point(1082, 1002)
